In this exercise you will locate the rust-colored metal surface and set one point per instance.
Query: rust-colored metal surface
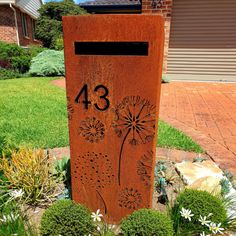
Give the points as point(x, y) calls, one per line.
point(113, 77)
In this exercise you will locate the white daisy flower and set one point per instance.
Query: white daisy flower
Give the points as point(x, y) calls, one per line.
point(204, 220)
point(96, 216)
point(186, 213)
point(218, 229)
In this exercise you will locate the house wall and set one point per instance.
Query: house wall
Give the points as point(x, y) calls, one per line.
point(164, 8)
point(25, 41)
point(7, 24)
point(8, 27)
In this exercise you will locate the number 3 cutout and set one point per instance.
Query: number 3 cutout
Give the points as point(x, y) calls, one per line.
point(104, 96)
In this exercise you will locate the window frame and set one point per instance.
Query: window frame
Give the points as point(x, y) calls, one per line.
point(24, 24)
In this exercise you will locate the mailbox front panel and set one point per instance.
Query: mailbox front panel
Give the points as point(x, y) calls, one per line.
point(113, 77)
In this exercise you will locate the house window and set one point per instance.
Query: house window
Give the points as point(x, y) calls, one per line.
point(24, 25)
point(33, 28)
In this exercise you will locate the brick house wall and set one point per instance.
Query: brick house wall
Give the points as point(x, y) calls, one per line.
point(26, 40)
point(8, 27)
point(164, 8)
point(7, 24)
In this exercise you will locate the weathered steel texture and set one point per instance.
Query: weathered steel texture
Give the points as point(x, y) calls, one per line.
point(113, 105)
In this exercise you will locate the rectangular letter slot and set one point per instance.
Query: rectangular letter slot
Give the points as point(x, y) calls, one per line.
point(112, 48)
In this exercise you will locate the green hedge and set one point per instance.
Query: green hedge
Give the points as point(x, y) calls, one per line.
point(15, 60)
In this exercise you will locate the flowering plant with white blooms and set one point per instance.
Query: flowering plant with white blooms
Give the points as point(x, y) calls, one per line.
point(102, 228)
point(186, 213)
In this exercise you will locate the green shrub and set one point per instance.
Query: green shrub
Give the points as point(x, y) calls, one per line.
point(59, 45)
point(49, 24)
point(147, 222)
point(48, 63)
point(9, 50)
point(65, 217)
point(17, 57)
point(34, 50)
point(201, 203)
point(21, 63)
point(8, 74)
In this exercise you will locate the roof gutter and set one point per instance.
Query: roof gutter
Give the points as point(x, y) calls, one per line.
point(17, 34)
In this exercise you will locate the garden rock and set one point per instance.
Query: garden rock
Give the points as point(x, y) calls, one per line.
point(208, 183)
point(191, 172)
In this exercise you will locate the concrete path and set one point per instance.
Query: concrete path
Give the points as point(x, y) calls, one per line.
point(204, 111)
point(207, 113)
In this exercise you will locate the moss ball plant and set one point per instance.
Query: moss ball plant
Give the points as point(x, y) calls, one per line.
point(147, 222)
point(66, 218)
point(201, 203)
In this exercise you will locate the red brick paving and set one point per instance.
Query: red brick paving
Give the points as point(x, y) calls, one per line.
point(207, 113)
point(204, 111)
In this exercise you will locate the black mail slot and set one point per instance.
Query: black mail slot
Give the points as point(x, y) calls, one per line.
point(112, 48)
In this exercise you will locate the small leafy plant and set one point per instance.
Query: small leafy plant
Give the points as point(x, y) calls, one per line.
point(65, 217)
point(192, 207)
point(146, 222)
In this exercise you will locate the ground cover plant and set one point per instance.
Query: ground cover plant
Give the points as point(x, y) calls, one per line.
point(48, 63)
point(33, 112)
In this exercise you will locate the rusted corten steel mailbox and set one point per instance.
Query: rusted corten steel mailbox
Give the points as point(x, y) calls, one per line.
point(113, 79)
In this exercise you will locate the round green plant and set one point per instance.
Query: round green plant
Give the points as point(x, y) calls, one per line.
point(147, 222)
point(66, 218)
point(201, 203)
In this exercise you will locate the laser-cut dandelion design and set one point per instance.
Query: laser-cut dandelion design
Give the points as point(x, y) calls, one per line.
point(134, 120)
point(92, 129)
point(144, 168)
point(130, 198)
point(95, 170)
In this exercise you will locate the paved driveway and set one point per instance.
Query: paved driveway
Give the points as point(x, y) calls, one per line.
point(207, 113)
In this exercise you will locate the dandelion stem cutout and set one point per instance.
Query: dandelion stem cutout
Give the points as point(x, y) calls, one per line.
point(134, 122)
point(113, 81)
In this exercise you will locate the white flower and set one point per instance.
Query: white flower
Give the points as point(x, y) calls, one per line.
point(96, 216)
point(204, 220)
point(216, 228)
point(98, 228)
point(17, 193)
point(186, 213)
point(211, 226)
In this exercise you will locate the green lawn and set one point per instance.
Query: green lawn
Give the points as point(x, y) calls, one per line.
point(33, 112)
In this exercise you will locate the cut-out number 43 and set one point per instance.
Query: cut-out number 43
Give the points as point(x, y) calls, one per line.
point(86, 102)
